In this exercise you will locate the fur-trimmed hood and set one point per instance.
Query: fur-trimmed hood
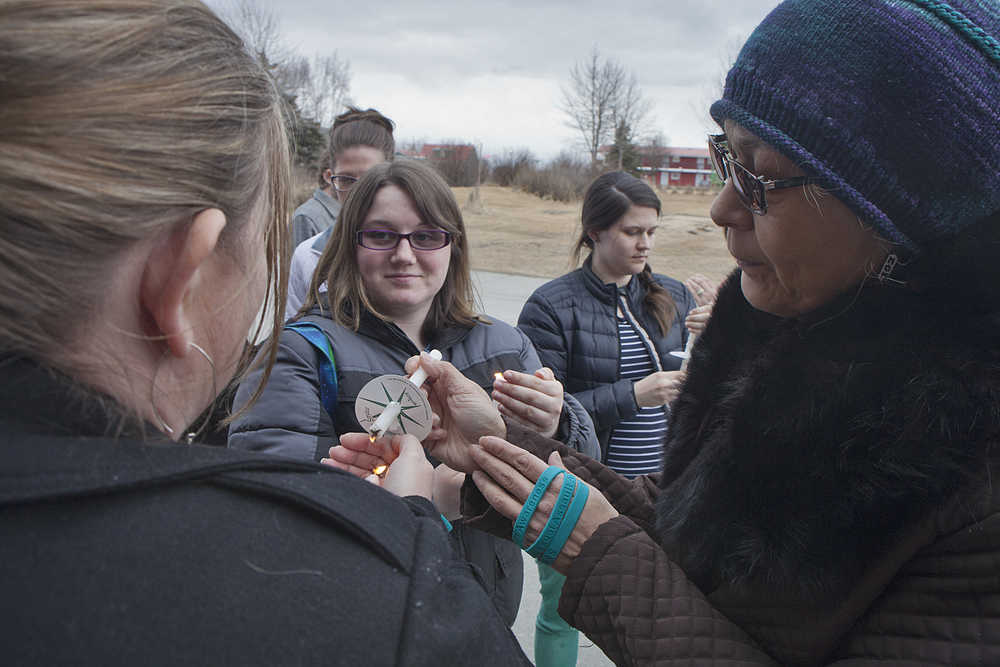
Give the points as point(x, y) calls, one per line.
point(800, 447)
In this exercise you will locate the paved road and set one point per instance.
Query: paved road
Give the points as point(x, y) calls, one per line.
point(502, 296)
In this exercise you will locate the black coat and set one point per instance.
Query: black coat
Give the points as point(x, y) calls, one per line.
point(119, 551)
point(572, 323)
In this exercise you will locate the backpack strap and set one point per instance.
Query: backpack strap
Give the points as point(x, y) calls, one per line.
point(327, 367)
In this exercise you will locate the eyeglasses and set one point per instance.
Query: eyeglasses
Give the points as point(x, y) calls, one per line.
point(750, 187)
point(343, 183)
point(385, 239)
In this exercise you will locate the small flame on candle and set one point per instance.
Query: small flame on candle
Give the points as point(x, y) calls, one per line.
point(379, 470)
point(372, 437)
point(498, 376)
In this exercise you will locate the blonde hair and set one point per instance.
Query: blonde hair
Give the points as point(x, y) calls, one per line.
point(454, 304)
point(121, 119)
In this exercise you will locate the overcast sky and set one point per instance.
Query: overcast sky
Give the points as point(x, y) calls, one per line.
point(490, 72)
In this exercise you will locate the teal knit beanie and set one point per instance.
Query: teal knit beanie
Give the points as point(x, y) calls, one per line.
point(893, 104)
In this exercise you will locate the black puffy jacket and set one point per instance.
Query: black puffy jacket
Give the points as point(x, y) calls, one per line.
point(572, 323)
point(118, 551)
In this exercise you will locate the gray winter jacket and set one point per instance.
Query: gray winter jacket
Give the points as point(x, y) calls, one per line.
point(289, 419)
point(315, 215)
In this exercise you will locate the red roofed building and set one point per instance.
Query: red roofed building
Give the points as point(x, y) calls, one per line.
point(673, 167)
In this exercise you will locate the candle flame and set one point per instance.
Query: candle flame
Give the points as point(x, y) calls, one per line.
point(372, 437)
point(380, 470)
point(498, 375)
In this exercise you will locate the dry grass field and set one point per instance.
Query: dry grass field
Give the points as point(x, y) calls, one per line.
point(516, 232)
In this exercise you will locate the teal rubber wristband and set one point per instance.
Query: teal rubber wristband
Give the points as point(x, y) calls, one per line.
point(531, 504)
point(567, 525)
point(541, 543)
point(447, 524)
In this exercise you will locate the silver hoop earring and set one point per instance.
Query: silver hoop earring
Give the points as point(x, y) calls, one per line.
point(152, 401)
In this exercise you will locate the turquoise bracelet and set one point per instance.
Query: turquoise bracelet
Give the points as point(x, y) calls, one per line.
point(568, 524)
point(541, 543)
point(531, 504)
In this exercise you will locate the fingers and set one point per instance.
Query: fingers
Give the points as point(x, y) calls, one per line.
point(659, 387)
point(496, 496)
point(411, 474)
point(408, 446)
point(702, 288)
point(362, 443)
point(358, 455)
point(697, 318)
point(348, 463)
point(545, 373)
point(525, 382)
point(507, 476)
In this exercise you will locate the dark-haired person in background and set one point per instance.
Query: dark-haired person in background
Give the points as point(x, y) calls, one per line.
point(606, 330)
point(316, 214)
point(359, 139)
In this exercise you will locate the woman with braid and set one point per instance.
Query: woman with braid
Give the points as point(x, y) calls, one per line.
point(607, 330)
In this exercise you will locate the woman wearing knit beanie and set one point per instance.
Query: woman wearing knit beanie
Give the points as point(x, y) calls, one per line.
point(827, 492)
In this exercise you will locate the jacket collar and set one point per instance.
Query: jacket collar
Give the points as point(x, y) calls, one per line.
point(608, 292)
point(37, 399)
point(858, 412)
point(331, 205)
point(391, 335)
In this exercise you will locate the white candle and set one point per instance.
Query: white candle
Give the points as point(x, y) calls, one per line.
point(391, 411)
point(687, 350)
point(420, 375)
point(387, 417)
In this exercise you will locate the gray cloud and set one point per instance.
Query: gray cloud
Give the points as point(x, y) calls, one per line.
point(678, 49)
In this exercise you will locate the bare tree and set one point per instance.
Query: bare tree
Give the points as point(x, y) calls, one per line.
point(260, 30)
point(320, 88)
point(628, 115)
point(326, 88)
point(600, 96)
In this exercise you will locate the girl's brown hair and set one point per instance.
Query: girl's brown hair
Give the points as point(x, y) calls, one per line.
point(433, 200)
point(355, 127)
point(606, 200)
point(121, 119)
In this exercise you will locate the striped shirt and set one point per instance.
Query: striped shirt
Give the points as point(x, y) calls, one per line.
point(636, 444)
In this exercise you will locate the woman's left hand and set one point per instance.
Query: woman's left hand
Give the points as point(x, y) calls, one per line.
point(535, 400)
point(697, 318)
point(506, 478)
point(702, 288)
point(407, 473)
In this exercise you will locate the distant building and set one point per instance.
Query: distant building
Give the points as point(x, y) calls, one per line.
point(673, 166)
point(437, 152)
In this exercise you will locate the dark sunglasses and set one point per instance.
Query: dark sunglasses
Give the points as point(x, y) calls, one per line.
point(750, 187)
point(386, 239)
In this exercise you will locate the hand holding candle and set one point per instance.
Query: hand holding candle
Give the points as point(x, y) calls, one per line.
point(464, 409)
point(533, 399)
point(400, 406)
point(397, 464)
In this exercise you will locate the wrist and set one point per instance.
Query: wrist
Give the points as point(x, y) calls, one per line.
point(636, 391)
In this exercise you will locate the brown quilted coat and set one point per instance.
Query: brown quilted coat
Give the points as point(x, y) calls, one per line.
point(827, 497)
